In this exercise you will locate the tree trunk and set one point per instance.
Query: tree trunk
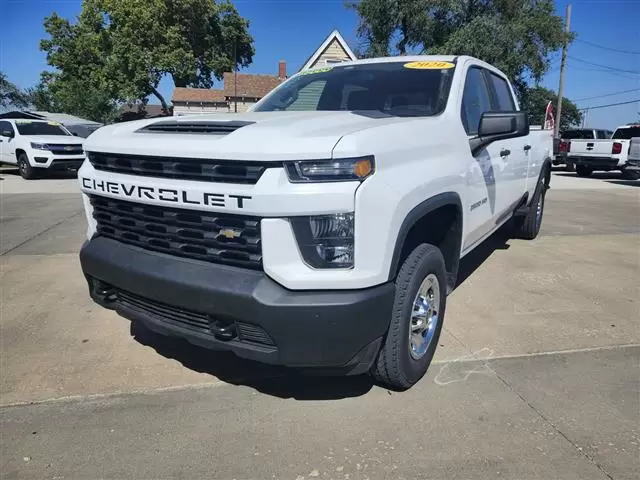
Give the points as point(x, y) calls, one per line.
point(163, 102)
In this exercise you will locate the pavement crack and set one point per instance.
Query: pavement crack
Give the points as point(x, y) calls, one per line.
point(40, 233)
point(557, 429)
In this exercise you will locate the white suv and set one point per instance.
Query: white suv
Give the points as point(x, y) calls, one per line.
point(38, 146)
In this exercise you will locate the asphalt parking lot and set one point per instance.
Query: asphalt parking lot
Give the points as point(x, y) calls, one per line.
point(537, 375)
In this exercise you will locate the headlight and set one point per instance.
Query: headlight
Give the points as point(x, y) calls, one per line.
point(325, 241)
point(39, 146)
point(337, 170)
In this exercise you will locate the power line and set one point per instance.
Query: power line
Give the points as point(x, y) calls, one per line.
point(608, 67)
point(607, 95)
point(607, 48)
point(610, 105)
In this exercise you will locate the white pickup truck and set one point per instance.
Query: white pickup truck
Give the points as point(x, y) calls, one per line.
point(39, 146)
point(324, 228)
point(604, 154)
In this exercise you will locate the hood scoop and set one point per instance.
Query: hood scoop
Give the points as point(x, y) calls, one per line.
point(220, 128)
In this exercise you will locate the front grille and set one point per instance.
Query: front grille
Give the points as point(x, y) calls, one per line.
point(209, 236)
point(66, 149)
point(185, 318)
point(195, 321)
point(182, 168)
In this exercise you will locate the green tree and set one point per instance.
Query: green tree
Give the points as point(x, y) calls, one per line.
point(535, 101)
point(125, 47)
point(10, 94)
point(516, 36)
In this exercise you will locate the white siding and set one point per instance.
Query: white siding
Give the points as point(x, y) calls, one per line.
point(242, 106)
point(194, 108)
point(334, 51)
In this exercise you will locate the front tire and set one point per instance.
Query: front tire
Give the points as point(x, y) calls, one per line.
point(416, 319)
point(631, 174)
point(26, 170)
point(583, 171)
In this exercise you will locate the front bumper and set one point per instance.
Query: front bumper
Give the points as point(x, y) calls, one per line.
point(239, 310)
point(50, 161)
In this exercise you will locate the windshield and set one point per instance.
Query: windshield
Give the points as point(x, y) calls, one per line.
point(40, 128)
point(394, 88)
point(627, 133)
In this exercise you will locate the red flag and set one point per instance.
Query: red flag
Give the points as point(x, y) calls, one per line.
point(549, 120)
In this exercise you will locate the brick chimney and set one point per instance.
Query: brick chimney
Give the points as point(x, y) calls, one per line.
point(282, 69)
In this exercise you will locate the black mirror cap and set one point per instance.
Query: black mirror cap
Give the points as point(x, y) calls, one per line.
point(499, 126)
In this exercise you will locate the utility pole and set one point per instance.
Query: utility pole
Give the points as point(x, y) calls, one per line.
point(235, 76)
point(585, 115)
point(563, 63)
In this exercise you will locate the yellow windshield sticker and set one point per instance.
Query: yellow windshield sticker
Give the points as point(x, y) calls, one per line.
point(23, 121)
point(315, 70)
point(55, 124)
point(430, 65)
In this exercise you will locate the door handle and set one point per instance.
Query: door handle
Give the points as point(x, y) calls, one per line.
point(505, 152)
point(527, 148)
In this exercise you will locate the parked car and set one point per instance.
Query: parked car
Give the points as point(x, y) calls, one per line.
point(604, 154)
point(633, 157)
point(38, 146)
point(324, 228)
point(561, 144)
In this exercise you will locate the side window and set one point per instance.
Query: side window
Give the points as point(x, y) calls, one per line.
point(5, 127)
point(475, 100)
point(503, 94)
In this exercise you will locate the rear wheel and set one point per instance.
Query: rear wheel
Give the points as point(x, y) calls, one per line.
point(583, 171)
point(528, 226)
point(26, 170)
point(416, 319)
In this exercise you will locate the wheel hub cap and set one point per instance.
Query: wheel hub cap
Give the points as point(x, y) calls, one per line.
point(424, 317)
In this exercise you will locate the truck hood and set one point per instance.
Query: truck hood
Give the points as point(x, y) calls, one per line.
point(249, 136)
point(54, 139)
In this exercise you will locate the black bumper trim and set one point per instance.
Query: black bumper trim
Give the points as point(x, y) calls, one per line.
point(329, 329)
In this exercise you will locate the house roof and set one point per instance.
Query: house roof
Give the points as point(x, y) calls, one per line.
point(256, 86)
point(335, 35)
point(197, 95)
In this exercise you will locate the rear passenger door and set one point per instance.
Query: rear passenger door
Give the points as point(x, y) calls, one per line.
point(515, 163)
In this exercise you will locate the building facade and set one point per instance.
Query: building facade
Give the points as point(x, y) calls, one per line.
point(243, 90)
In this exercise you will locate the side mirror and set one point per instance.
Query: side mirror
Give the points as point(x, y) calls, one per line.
point(499, 126)
point(7, 133)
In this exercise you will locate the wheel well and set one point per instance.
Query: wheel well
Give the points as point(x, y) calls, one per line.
point(19, 151)
point(441, 227)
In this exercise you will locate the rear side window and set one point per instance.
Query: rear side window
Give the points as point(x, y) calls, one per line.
point(578, 135)
point(627, 133)
point(475, 100)
point(503, 96)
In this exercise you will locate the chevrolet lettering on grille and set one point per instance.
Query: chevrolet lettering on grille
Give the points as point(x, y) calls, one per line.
point(169, 195)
